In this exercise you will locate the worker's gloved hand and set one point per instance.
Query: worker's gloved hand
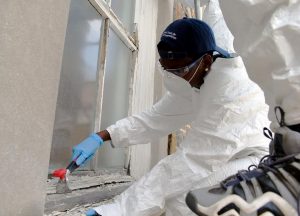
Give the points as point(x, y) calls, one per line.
point(91, 212)
point(86, 149)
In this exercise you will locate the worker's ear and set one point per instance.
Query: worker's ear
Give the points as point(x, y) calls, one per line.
point(207, 61)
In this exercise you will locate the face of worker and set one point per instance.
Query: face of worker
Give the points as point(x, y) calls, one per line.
point(195, 70)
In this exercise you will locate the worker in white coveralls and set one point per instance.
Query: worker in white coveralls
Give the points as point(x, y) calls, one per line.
point(226, 116)
point(267, 36)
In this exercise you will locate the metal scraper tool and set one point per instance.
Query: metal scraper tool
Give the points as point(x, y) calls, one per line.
point(62, 184)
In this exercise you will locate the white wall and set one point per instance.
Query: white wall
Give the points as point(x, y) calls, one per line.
point(31, 43)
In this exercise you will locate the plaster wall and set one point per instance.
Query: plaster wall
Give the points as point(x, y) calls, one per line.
point(32, 36)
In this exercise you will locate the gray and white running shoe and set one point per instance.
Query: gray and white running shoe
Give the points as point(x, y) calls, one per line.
point(272, 188)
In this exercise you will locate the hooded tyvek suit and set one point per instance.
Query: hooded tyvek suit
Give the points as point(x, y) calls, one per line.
point(226, 116)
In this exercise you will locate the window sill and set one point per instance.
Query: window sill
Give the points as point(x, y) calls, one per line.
point(87, 188)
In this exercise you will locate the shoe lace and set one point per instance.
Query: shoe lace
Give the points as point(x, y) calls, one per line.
point(252, 171)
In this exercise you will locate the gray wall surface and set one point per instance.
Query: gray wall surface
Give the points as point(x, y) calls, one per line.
point(32, 36)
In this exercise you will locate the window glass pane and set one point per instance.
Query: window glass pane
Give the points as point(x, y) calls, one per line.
point(115, 98)
point(76, 100)
point(124, 10)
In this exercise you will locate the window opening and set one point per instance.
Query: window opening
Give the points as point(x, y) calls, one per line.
point(76, 102)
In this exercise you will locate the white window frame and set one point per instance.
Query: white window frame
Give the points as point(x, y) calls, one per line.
point(142, 43)
point(110, 20)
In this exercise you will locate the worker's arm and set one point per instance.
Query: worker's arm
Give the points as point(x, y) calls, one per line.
point(173, 111)
point(104, 135)
point(169, 114)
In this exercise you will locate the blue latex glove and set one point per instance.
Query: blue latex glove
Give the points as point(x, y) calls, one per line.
point(85, 150)
point(91, 212)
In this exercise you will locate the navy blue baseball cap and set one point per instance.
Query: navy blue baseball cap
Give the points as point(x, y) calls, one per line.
point(188, 37)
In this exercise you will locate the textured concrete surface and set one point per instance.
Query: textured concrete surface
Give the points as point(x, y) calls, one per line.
point(76, 182)
point(32, 36)
point(63, 202)
point(86, 189)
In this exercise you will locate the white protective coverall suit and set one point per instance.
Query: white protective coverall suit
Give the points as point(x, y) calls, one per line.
point(226, 117)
